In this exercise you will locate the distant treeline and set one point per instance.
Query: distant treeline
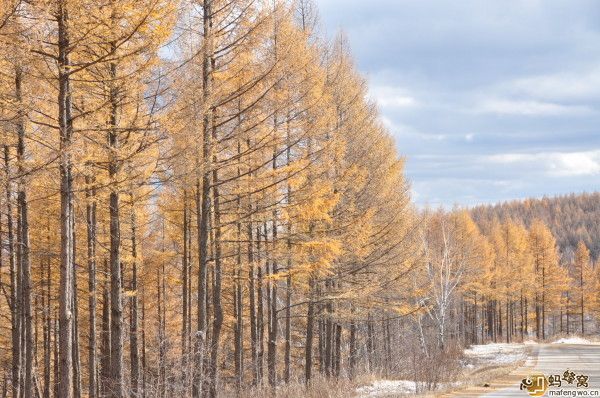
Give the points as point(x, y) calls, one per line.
point(571, 218)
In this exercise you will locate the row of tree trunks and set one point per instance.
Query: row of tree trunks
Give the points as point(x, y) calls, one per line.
point(490, 321)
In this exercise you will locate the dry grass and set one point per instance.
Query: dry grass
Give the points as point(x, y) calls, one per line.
point(479, 377)
point(319, 387)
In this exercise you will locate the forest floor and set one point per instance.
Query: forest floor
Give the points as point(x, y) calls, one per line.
point(496, 370)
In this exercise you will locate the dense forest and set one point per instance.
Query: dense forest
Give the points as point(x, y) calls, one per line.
point(572, 218)
point(197, 199)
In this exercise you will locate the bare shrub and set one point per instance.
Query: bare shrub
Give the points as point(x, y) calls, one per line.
point(436, 369)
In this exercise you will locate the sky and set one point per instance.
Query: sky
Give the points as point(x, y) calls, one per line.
point(487, 100)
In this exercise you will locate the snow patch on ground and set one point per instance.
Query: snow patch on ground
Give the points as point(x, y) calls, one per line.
point(497, 353)
point(573, 340)
point(384, 388)
point(381, 388)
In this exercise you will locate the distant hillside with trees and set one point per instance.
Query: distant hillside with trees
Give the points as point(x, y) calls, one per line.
point(571, 218)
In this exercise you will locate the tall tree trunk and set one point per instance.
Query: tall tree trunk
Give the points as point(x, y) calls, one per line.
point(48, 319)
point(544, 305)
point(273, 325)
point(14, 280)
point(116, 299)
point(338, 350)
point(500, 329)
point(321, 336)
point(20, 302)
point(106, 344)
point(508, 324)
point(483, 321)
point(56, 327)
point(522, 325)
point(252, 303)
point(288, 296)
point(133, 322)
point(561, 319)
point(216, 296)
point(143, 386)
point(268, 283)
point(237, 292)
point(475, 322)
point(310, 321)
point(581, 298)
point(91, 263)
point(185, 283)
point(538, 316)
point(288, 324)
point(260, 331)
point(7, 296)
point(568, 322)
point(165, 337)
point(491, 318)
point(203, 205)
point(75, 311)
point(161, 384)
point(202, 211)
point(189, 345)
point(526, 315)
point(352, 357)
point(185, 296)
point(328, 331)
point(370, 344)
point(65, 123)
point(23, 242)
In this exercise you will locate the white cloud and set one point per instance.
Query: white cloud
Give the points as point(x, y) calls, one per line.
point(434, 137)
point(387, 122)
point(554, 164)
point(392, 97)
point(580, 85)
point(582, 163)
point(397, 102)
point(530, 108)
point(469, 137)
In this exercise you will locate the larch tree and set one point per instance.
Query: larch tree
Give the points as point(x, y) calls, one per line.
point(547, 274)
point(584, 283)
